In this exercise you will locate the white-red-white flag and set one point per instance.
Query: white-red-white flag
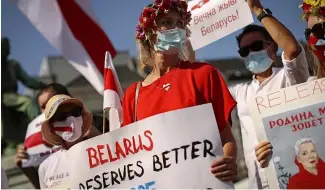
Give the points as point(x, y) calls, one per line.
point(37, 149)
point(71, 27)
point(113, 94)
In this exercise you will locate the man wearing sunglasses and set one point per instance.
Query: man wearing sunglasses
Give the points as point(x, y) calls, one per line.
point(43, 97)
point(258, 47)
point(67, 123)
point(314, 13)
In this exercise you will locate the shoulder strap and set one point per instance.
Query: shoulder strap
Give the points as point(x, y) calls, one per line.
point(136, 100)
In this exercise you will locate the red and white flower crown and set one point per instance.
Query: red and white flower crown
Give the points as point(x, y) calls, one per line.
point(313, 7)
point(145, 27)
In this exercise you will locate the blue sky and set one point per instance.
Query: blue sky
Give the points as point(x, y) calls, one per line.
point(118, 18)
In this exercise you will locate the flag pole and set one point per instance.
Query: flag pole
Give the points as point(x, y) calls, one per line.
point(104, 119)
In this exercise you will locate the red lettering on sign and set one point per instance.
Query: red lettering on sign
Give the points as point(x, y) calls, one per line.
point(92, 157)
point(321, 111)
point(100, 156)
point(99, 148)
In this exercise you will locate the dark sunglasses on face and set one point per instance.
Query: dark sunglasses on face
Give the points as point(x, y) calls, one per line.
point(318, 30)
point(61, 116)
point(255, 46)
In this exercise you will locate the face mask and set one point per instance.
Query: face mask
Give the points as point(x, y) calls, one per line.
point(258, 62)
point(170, 41)
point(70, 130)
point(317, 46)
point(186, 53)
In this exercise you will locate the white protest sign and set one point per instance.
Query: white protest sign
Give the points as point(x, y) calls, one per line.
point(170, 150)
point(286, 117)
point(36, 149)
point(215, 19)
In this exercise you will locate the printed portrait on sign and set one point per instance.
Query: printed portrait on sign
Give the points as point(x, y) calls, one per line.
point(298, 138)
point(311, 165)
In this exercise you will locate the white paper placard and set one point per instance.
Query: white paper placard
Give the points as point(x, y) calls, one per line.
point(172, 150)
point(284, 117)
point(215, 19)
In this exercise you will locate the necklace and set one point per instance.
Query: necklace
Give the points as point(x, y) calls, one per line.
point(167, 86)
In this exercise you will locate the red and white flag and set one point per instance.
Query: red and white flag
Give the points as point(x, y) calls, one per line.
point(71, 27)
point(113, 94)
point(37, 149)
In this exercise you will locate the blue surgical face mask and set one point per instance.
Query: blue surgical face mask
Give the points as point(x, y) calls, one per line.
point(170, 41)
point(258, 62)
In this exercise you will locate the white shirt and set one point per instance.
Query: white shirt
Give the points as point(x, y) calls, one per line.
point(53, 172)
point(293, 72)
point(312, 78)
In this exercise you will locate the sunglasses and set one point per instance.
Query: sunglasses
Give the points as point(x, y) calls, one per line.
point(255, 46)
point(61, 116)
point(318, 30)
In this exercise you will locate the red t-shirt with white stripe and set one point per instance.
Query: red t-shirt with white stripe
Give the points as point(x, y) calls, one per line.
point(191, 84)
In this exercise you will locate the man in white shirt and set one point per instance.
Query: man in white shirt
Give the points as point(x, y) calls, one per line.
point(67, 123)
point(258, 46)
point(22, 154)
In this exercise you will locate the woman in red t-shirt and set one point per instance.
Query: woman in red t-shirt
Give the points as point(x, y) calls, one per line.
point(162, 38)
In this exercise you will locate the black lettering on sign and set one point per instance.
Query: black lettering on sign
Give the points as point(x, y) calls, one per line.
point(208, 147)
point(114, 176)
point(142, 170)
point(122, 175)
point(176, 154)
point(165, 158)
point(130, 172)
point(89, 185)
point(185, 147)
point(97, 180)
point(155, 162)
point(194, 150)
point(81, 186)
point(105, 180)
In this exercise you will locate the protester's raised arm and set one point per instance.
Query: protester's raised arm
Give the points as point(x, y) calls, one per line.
point(281, 35)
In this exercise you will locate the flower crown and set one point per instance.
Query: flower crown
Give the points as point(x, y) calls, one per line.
point(145, 27)
point(313, 7)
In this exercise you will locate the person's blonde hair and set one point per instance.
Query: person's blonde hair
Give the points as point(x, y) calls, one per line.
point(316, 67)
point(320, 70)
point(145, 54)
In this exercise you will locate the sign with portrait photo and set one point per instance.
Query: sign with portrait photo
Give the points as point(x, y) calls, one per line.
point(293, 120)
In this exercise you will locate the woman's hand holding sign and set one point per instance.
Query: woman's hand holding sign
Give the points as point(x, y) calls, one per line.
point(263, 152)
point(224, 168)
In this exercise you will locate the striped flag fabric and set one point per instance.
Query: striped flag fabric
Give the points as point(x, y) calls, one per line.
point(37, 149)
point(71, 27)
point(113, 94)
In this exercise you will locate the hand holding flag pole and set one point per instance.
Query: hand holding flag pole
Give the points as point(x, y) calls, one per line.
point(113, 95)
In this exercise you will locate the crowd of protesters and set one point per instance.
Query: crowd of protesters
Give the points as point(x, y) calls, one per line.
point(164, 48)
